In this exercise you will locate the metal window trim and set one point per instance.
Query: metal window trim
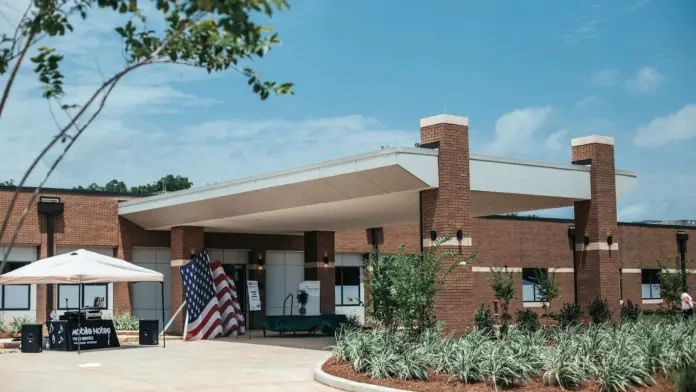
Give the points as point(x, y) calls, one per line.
point(2, 305)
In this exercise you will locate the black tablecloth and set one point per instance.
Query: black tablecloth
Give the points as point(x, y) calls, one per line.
point(64, 335)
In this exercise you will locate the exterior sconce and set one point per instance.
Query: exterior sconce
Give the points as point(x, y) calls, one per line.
point(326, 259)
point(433, 235)
point(571, 231)
point(586, 240)
point(610, 240)
point(460, 235)
point(260, 261)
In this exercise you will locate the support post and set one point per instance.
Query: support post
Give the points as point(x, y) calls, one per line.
point(164, 335)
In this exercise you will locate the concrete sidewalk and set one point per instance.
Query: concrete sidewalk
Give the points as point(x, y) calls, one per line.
point(206, 366)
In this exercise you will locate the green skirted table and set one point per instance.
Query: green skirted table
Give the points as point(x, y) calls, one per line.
point(296, 323)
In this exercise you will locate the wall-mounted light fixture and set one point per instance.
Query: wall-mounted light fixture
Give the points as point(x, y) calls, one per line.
point(571, 231)
point(610, 240)
point(586, 240)
point(326, 259)
point(433, 235)
point(259, 260)
point(460, 234)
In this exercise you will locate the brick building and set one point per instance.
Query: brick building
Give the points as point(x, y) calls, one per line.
point(310, 224)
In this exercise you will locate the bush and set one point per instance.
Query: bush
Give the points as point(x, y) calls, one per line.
point(3, 326)
point(352, 322)
point(125, 322)
point(527, 320)
point(17, 322)
point(569, 315)
point(629, 312)
point(685, 381)
point(403, 286)
point(614, 358)
point(484, 320)
point(599, 310)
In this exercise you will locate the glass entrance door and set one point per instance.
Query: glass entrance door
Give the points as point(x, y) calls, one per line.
point(237, 272)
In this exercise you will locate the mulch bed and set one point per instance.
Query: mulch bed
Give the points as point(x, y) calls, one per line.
point(438, 382)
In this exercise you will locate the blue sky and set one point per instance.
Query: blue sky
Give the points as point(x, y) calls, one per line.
point(530, 75)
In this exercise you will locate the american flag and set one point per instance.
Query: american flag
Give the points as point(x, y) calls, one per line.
point(201, 302)
point(226, 292)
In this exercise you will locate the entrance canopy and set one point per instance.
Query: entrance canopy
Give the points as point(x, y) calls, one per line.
point(80, 266)
point(357, 192)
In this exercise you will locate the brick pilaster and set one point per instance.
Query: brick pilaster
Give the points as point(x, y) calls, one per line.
point(448, 209)
point(185, 240)
point(320, 264)
point(598, 263)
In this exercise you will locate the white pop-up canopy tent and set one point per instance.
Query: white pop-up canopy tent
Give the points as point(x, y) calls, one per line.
point(82, 267)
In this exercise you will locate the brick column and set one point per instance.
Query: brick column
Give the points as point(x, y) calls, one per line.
point(598, 262)
point(124, 251)
point(185, 241)
point(320, 264)
point(448, 209)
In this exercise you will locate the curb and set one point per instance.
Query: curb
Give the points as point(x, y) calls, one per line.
point(9, 346)
point(342, 384)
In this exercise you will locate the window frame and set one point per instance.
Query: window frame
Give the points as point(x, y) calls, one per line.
point(535, 284)
point(81, 295)
point(651, 283)
point(28, 287)
point(360, 294)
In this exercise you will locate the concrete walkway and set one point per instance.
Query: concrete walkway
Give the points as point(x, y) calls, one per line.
point(207, 366)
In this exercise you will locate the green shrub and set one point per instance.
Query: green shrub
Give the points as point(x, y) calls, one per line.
point(352, 322)
point(484, 320)
point(125, 322)
point(629, 312)
point(569, 315)
point(17, 322)
point(3, 326)
point(403, 286)
point(599, 310)
point(528, 320)
point(648, 312)
point(685, 381)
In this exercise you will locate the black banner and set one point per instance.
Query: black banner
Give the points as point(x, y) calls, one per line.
point(92, 334)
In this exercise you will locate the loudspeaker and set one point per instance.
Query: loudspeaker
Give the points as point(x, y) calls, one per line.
point(149, 333)
point(31, 338)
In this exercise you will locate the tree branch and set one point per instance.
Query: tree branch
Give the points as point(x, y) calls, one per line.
point(13, 74)
point(108, 85)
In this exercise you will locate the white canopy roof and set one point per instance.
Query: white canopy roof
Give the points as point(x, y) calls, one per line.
point(80, 266)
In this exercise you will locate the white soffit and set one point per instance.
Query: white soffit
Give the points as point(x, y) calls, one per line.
point(377, 173)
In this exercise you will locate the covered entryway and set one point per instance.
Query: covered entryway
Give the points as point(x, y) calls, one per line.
point(146, 298)
point(284, 273)
point(235, 263)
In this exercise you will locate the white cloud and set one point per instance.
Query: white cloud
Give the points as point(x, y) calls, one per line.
point(638, 4)
point(588, 29)
point(635, 212)
point(587, 102)
point(604, 78)
point(677, 126)
point(647, 80)
point(553, 142)
point(514, 129)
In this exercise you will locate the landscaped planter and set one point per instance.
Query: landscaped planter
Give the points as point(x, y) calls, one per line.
point(446, 383)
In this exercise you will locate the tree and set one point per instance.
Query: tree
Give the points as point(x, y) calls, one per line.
point(402, 286)
point(503, 285)
point(546, 287)
point(672, 283)
point(216, 35)
point(9, 182)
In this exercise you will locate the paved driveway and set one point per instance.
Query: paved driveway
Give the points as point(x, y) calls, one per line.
point(206, 366)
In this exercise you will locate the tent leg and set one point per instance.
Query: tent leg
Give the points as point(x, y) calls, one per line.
point(185, 326)
point(79, 317)
point(164, 334)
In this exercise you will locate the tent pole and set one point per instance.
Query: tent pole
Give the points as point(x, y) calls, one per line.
point(79, 316)
point(164, 334)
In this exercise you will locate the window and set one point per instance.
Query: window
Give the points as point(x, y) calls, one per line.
point(15, 296)
point(68, 295)
point(348, 286)
point(650, 283)
point(530, 289)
